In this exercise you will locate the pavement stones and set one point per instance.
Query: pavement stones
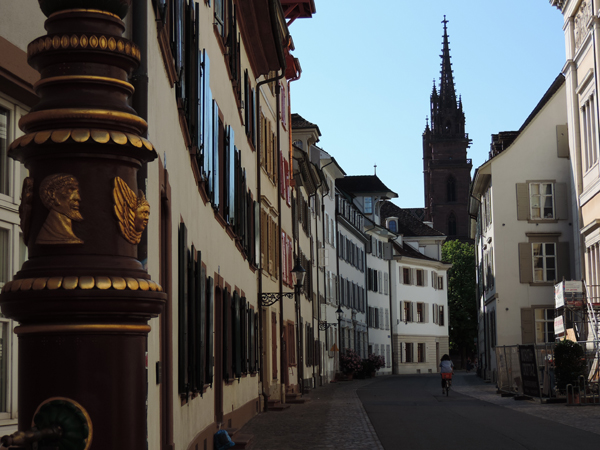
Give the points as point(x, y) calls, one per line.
point(333, 419)
point(336, 419)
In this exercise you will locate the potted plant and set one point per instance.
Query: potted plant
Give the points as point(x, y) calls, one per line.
point(569, 360)
point(350, 362)
point(372, 364)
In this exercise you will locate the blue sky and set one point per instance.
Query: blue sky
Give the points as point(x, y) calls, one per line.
point(367, 74)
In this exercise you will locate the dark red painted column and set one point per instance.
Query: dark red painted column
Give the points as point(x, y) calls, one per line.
point(83, 299)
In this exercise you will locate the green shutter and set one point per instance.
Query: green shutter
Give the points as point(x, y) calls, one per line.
point(522, 201)
point(244, 329)
point(525, 263)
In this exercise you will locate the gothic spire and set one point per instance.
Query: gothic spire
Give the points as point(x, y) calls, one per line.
point(447, 93)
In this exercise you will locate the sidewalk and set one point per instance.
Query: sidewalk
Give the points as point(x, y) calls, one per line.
point(585, 418)
point(333, 419)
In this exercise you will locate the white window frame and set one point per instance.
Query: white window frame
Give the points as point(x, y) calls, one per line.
point(541, 200)
point(543, 325)
point(544, 258)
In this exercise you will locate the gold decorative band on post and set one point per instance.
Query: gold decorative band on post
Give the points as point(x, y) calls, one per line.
point(74, 41)
point(84, 79)
point(83, 328)
point(70, 283)
point(82, 114)
point(83, 10)
point(81, 135)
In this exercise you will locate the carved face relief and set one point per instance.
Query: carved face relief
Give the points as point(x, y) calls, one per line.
point(142, 214)
point(132, 211)
point(60, 194)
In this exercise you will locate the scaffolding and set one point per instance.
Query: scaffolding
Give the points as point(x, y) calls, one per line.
point(577, 316)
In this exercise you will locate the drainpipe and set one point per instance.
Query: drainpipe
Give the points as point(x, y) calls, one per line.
point(259, 194)
point(323, 224)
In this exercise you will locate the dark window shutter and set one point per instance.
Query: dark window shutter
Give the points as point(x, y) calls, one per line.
point(226, 333)
point(561, 202)
point(237, 337)
point(191, 317)
point(230, 170)
point(206, 116)
point(217, 139)
point(244, 335)
point(522, 201)
point(527, 326)
point(182, 254)
point(200, 321)
point(563, 261)
point(525, 263)
point(210, 304)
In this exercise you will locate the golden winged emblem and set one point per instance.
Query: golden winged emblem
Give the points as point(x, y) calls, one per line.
point(133, 211)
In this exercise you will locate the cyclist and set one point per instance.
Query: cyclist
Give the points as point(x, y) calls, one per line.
point(446, 366)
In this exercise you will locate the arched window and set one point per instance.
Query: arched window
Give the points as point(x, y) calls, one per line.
point(451, 224)
point(451, 189)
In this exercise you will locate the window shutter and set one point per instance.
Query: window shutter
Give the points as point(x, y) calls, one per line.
point(403, 352)
point(209, 330)
point(413, 276)
point(182, 254)
point(412, 311)
point(244, 333)
point(387, 251)
point(230, 194)
point(402, 316)
point(226, 312)
point(259, 257)
point(563, 261)
point(253, 344)
point(522, 201)
point(237, 335)
point(385, 283)
point(381, 325)
point(215, 160)
point(527, 326)
point(525, 263)
point(425, 281)
point(561, 202)
point(387, 319)
point(400, 274)
point(200, 322)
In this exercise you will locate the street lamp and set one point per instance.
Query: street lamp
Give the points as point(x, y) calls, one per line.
point(298, 274)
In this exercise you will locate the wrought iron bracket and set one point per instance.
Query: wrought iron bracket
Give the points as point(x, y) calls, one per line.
point(324, 325)
point(270, 298)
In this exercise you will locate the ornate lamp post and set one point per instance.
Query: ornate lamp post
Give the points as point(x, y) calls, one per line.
point(298, 274)
point(83, 300)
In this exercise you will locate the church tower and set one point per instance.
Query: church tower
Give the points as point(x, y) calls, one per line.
point(447, 171)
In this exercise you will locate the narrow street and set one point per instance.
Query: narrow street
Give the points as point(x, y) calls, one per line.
point(409, 412)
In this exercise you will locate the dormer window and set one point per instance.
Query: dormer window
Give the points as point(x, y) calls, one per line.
point(368, 205)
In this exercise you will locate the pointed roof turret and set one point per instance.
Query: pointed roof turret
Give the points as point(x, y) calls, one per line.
point(447, 92)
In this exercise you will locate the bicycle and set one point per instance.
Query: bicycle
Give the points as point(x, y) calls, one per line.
point(447, 378)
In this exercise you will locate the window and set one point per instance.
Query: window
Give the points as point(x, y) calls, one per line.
point(451, 189)
point(408, 309)
point(408, 352)
point(420, 353)
point(451, 224)
point(420, 312)
point(541, 201)
point(420, 277)
point(588, 141)
point(440, 283)
point(368, 205)
point(544, 262)
point(406, 278)
point(544, 325)
point(441, 316)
